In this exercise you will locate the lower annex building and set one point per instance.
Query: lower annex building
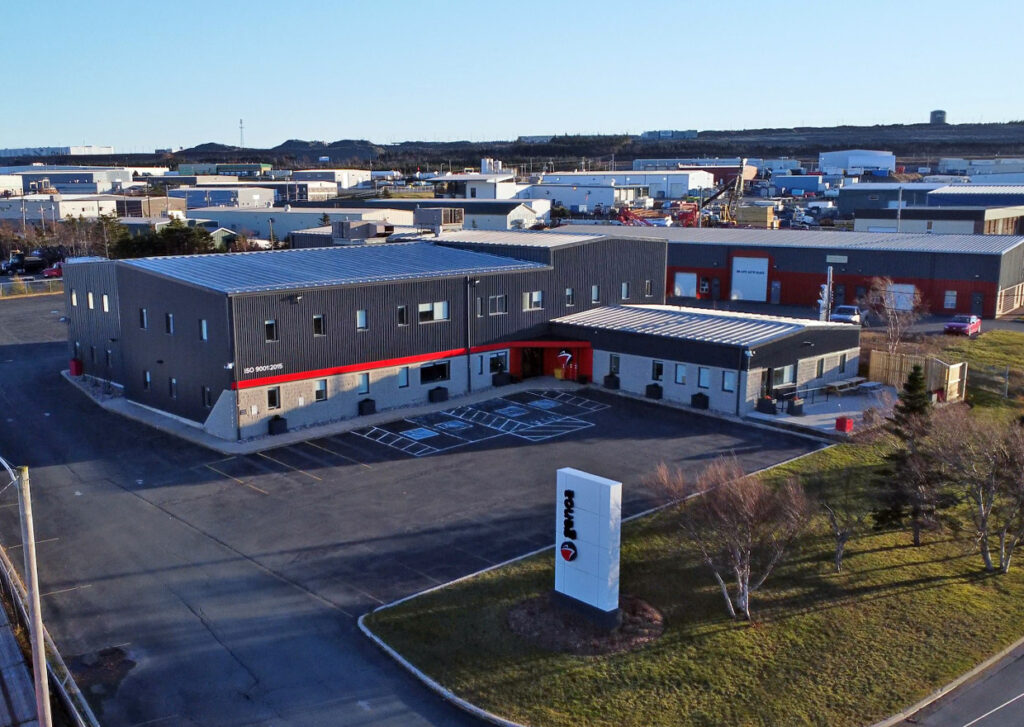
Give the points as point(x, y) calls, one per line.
point(241, 344)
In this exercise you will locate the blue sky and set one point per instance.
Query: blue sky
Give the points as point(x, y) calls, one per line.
point(143, 74)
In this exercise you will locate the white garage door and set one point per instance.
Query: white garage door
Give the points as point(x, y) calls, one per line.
point(901, 296)
point(750, 278)
point(685, 285)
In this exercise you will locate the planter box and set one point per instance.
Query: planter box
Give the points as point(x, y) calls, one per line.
point(503, 378)
point(796, 407)
point(653, 391)
point(367, 406)
point(700, 401)
point(844, 424)
point(611, 381)
point(437, 394)
point(582, 379)
point(767, 406)
point(277, 425)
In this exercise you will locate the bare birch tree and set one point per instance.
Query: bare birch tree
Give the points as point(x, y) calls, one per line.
point(846, 506)
point(983, 460)
point(740, 525)
point(897, 310)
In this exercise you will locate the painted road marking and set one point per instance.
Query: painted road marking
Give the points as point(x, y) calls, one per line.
point(66, 590)
point(993, 711)
point(19, 545)
point(241, 482)
point(339, 454)
point(285, 464)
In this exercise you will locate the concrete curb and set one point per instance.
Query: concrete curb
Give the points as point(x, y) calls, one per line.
point(439, 688)
point(943, 691)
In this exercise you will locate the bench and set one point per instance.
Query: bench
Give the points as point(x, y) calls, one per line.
point(842, 385)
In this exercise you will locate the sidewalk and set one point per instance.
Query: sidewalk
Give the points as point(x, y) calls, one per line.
point(17, 690)
point(192, 432)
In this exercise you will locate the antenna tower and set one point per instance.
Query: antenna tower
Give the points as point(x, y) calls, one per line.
point(241, 134)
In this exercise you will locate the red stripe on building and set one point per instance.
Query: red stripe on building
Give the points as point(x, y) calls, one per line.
point(404, 361)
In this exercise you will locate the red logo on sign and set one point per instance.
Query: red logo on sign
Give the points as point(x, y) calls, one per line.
point(568, 550)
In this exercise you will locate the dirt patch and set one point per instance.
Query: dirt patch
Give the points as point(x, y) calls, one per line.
point(99, 674)
point(552, 626)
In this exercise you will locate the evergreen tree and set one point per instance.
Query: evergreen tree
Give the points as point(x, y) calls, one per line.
point(908, 490)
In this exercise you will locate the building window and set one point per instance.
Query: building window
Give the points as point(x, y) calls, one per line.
point(172, 387)
point(169, 324)
point(499, 362)
point(819, 371)
point(480, 365)
point(320, 390)
point(570, 297)
point(624, 292)
point(89, 300)
point(728, 381)
point(78, 350)
point(657, 370)
point(270, 330)
point(143, 318)
point(533, 300)
point(784, 375)
point(949, 300)
point(680, 374)
point(74, 298)
point(106, 303)
point(207, 397)
point(403, 377)
point(648, 288)
point(703, 377)
point(479, 306)
point(204, 332)
point(403, 315)
point(364, 384)
point(361, 319)
point(436, 311)
point(595, 293)
point(274, 397)
point(147, 381)
point(842, 363)
point(434, 372)
point(497, 305)
point(318, 326)
point(613, 364)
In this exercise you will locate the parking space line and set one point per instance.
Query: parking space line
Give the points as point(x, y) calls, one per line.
point(285, 464)
point(241, 482)
point(339, 454)
point(66, 590)
point(38, 542)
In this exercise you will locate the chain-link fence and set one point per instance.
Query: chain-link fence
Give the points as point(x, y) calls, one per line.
point(12, 288)
point(994, 379)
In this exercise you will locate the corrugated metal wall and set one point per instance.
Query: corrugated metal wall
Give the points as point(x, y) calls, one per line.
point(182, 355)
point(96, 331)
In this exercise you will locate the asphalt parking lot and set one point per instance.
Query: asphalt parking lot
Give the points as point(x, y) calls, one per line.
point(224, 590)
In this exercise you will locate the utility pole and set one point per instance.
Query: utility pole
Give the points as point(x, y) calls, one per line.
point(241, 134)
point(28, 538)
point(899, 208)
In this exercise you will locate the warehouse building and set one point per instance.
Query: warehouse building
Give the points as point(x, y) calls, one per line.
point(481, 214)
point(978, 274)
point(980, 195)
point(882, 195)
point(282, 221)
point(148, 206)
point(713, 360)
point(667, 184)
point(852, 162)
point(343, 178)
point(964, 220)
point(239, 344)
point(91, 180)
point(49, 209)
point(243, 196)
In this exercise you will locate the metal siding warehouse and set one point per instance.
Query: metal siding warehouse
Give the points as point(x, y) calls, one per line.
point(979, 274)
point(230, 341)
point(881, 195)
point(980, 195)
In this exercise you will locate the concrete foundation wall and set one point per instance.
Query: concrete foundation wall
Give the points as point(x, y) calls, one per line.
point(299, 406)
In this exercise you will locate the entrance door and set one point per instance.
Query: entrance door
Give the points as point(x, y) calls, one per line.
point(776, 292)
point(977, 303)
point(533, 362)
point(716, 289)
point(839, 294)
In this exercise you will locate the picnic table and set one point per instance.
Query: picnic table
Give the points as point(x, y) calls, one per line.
point(841, 385)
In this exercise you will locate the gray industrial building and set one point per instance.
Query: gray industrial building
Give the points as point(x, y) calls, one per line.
point(717, 360)
point(231, 342)
point(881, 195)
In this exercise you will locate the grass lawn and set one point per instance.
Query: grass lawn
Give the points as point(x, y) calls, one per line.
point(825, 648)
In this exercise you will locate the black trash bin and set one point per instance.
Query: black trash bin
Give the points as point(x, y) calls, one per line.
point(611, 381)
point(367, 406)
point(700, 401)
point(277, 424)
point(653, 391)
point(437, 394)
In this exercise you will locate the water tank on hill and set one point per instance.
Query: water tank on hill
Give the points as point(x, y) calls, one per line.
point(938, 117)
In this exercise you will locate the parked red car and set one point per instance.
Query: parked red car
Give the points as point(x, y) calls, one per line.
point(54, 271)
point(963, 325)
